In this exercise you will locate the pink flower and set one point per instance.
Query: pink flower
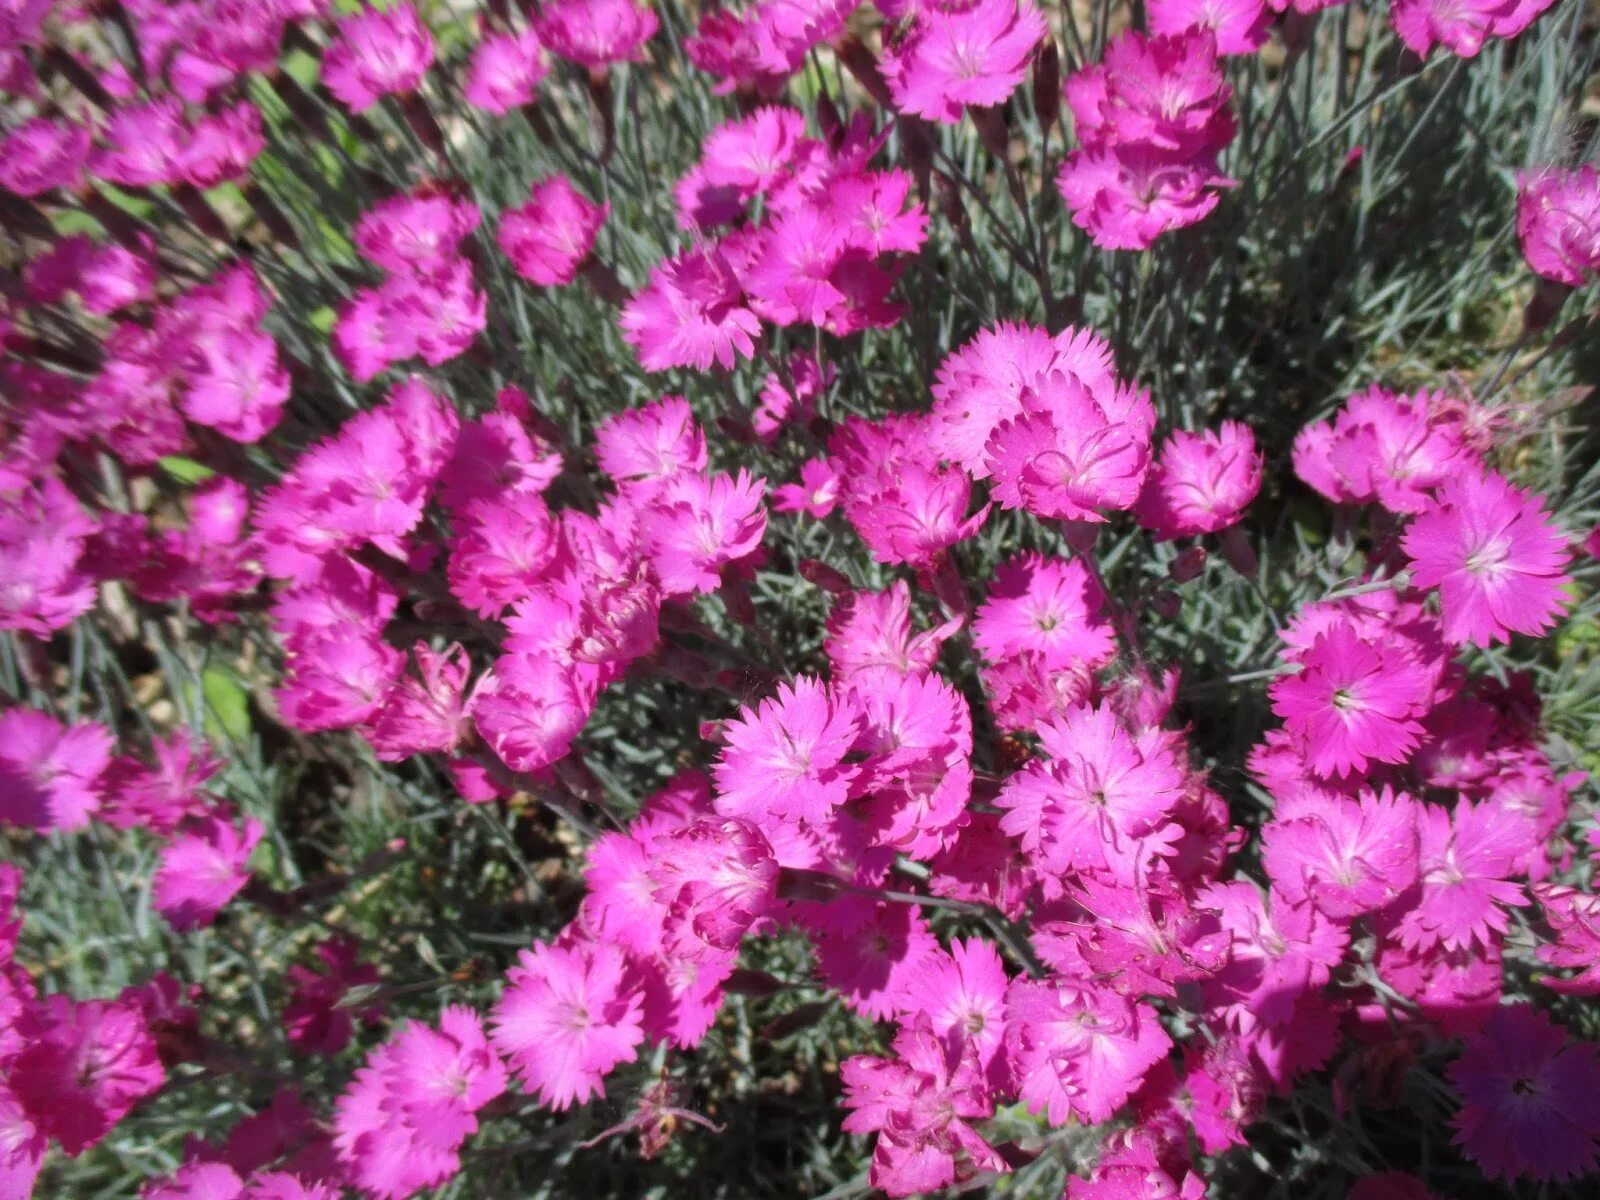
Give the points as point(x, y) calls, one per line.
point(1202, 482)
point(568, 1016)
point(425, 714)
point(1079, 1050)
point(1467, 865)
point(596, 33)
point(1461, 26)
point(82, 1068)
point(816, 494)
point(1280, 954)
point(691, 314)
point(1495, 557)
point(1574, 917)
point(697, 526)
point(504, 546)
point(50, 773)
point(750, 155)
point(985, 382)
point(158, 798)
point(506, 70)
point(785, 758)
point(1384, 447)
point(528, 709)
point(920, 1104)
point(1046, 606)
point(780, 407)
point(202, 868)
point(107, 277)
point(1166, 93)
point(963, 56)
point(1240, 26)
point(379, 52)
point(44, 582)
point(963, 995)
point(1349, 857)
point(1125, 197)
point(1353, 700)
point(1527, 1098)
point(1558, 222)
point(42, 154)
point(716, 876)
point(548, 238)
point(417, 232)
point(870, 638)
point(873, 965)
point(400, 1124)
point(1098, 795)
point(765, 45)
point(643, 448)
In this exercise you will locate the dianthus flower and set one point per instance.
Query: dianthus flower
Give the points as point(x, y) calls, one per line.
point(106, 276)
point(1352, 701)
point(1046, 606)
point(917, 736)
point(816, 494)
point(959, 56)
point(548, 238)
point(1383, 447)
point(506, 70)
point(641, 449)
point(692, 313)
point(753, 153)
point(398, 1128)
point(378, 52)
point(1168, 93)
point(202, 868)
point(920, 1103)
point(873, 964)
point(870, 637)
point(1527, 1098)
point(1461, 26)
point(42, 154)
point(44, 583)
point(1099, 795)
point(1348, 857)
point(528, 709)
point(503, 546)
point(785, 758)
point(1558, 222)
point(962, 993)
point(1124, 197)
point(159, 797)
point(1495, 556)
point(427, 713)
point(766, 44)
point(596, 33)
point(1240, 26)
point(698, 525)
point(82, 1068)
point(1201, 482)
point(1079, 1050)
point(320, 1018)
point(419, 232)
point(715, 876)
point(50, 773)
point(570, 1014)
point(984, 382)
point(1467, 864)
point(1574, 917)
point(793, 398)
point(1280, 954)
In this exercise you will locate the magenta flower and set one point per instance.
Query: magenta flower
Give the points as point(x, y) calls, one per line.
point(1349, 857)
point(692, 313)
point(1079, 1050)
point(955, 57)
point(570, 1014)
point(1574, 917)
point(1166, 93)
point(643, 448)
point(1280, 954)
point(1468, 862)
point(596, 33)
point(785, 758)
point(1558, 222)
point(319, 1018)
point(1352, 701)
point(870, 637)
point(920, 1104)
point(699, 525)
point(417, 232)
point(528, 709)
point(984, 383)
point(1527, 1098)
point(1461, 26)
point(44, 581)
point(506, 71)
point(202, 868)
point(1495, 556)
point(816, 494)
point(1202, 482)
point(716, 876)
point(873, 959)
point(42, 154)
point(1046, 606)
point(765, 45)
point(963, 995)
point(379, 52)
point(82, 1067)
point(50, 773)
point(548, 238)
point(1098, 795)
point(1124, 197)
point(1240, 26)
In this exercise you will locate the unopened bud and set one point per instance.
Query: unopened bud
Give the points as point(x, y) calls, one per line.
point(1236, 548)
point(1187, 565)
point(1047, 84)
point(825, 577)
